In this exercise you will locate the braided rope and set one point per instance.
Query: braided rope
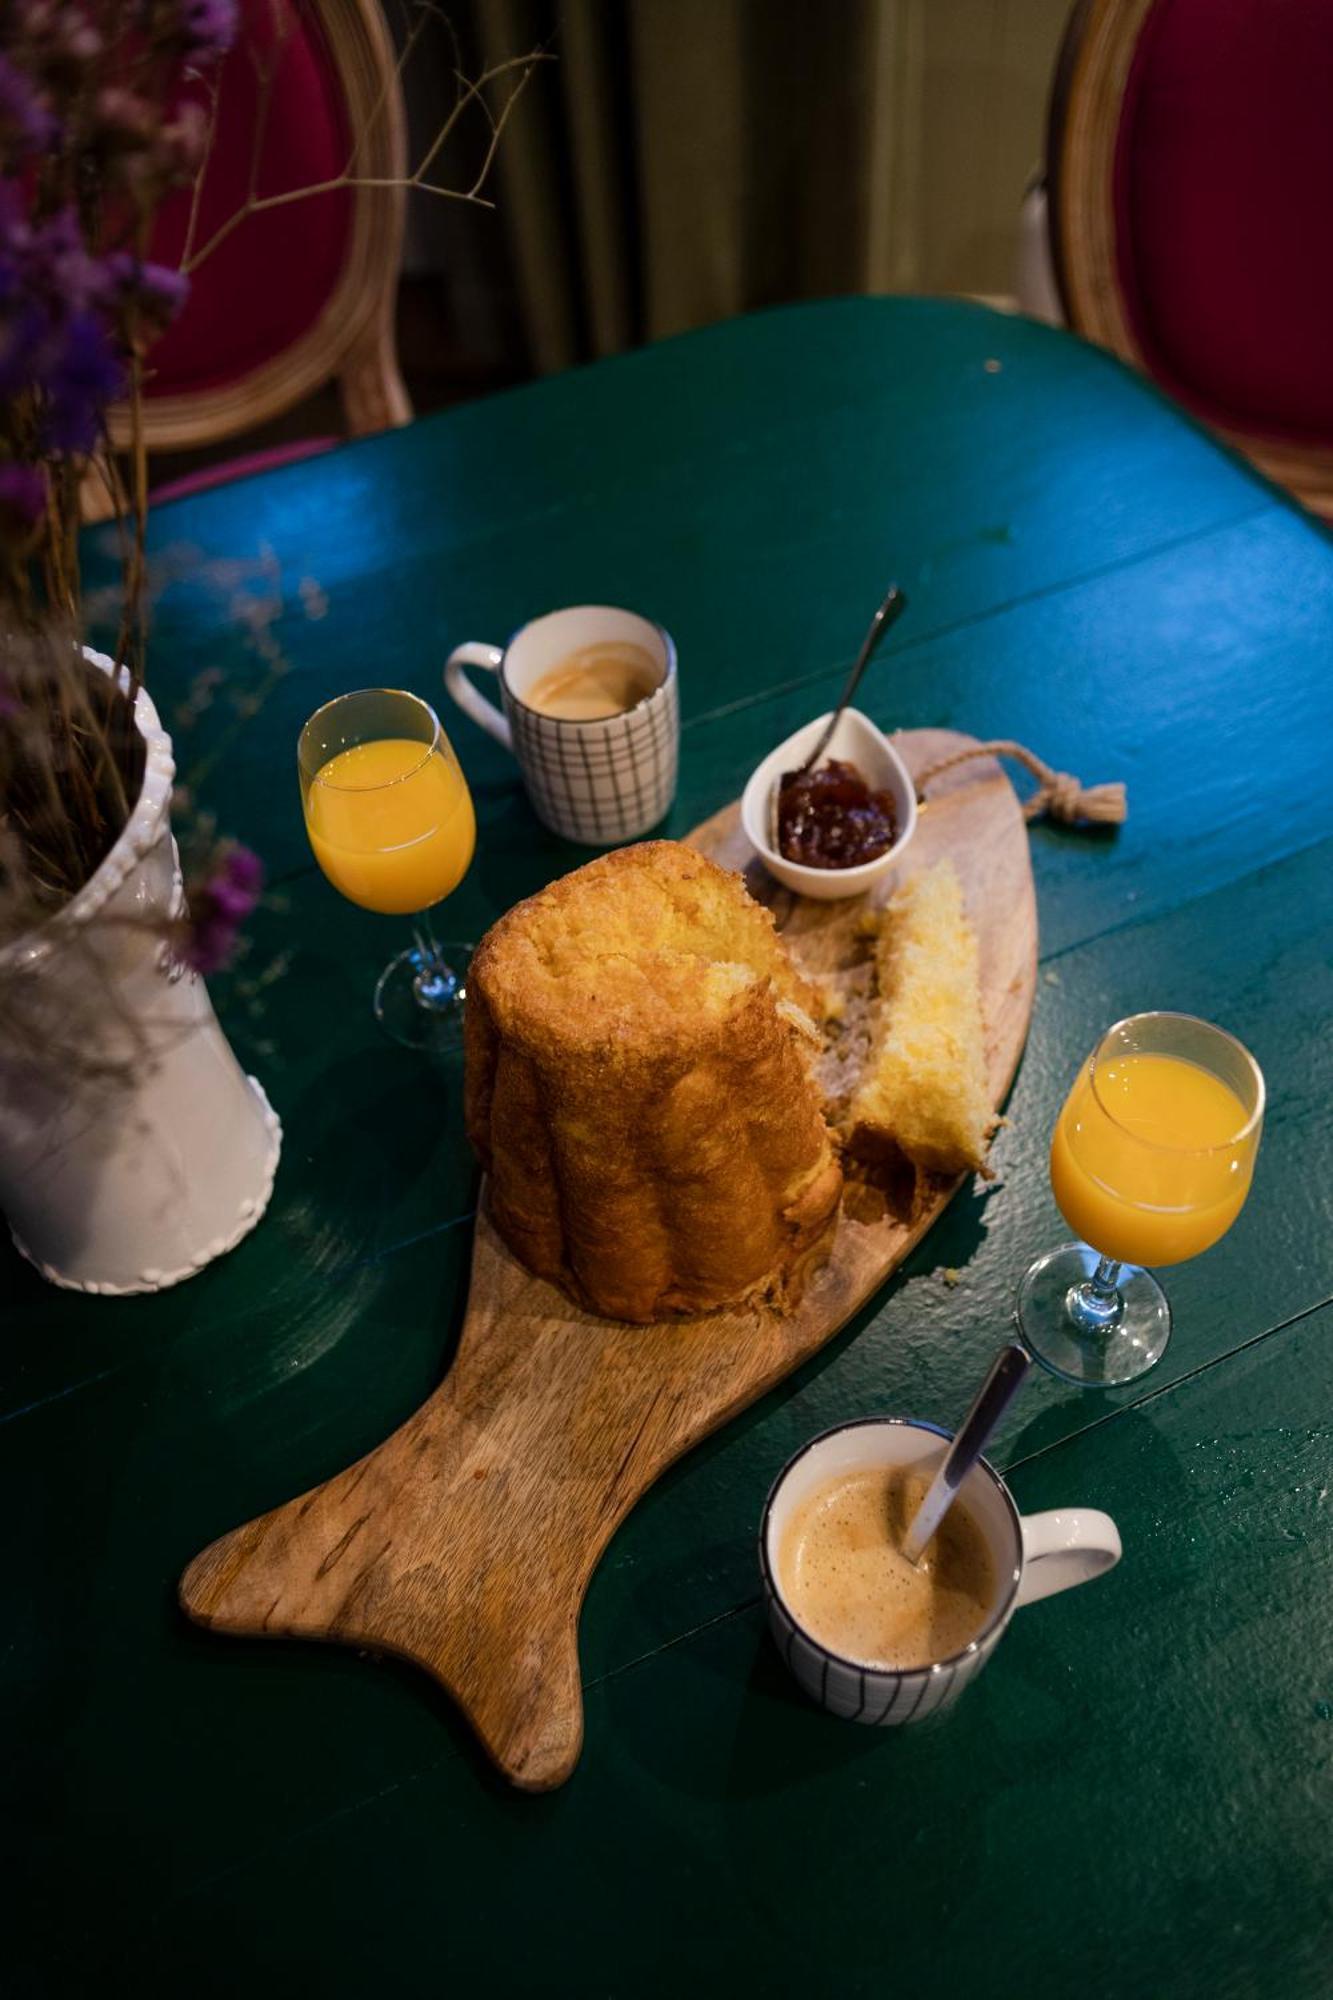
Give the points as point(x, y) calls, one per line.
point(1058, 793)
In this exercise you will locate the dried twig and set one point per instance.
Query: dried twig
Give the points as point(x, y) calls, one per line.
point(266, 69)
point(425, 14)
point(470, 91)
point(201, 172)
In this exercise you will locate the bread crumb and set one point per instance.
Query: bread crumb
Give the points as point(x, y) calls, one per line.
point(950, 1276)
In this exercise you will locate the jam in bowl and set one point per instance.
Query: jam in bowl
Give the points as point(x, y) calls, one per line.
point(828, 817)
point(839, 828)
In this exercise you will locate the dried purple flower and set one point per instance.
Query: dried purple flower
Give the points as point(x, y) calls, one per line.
point(220, 907)
point(58, 345)
point(155, 290)
point(62, 40)
point(27, 124)
point(207, 27)
point(126, 122)
point(75, 39)
point(25, 338)
point(22, 498)
point(184, 141)
point(60, 267)
point(84, 377)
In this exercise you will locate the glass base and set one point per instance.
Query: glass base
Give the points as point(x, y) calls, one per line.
point(419, 998)
point(1086, 1337)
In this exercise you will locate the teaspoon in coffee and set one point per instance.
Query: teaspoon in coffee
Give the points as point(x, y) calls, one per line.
point(988, 1406)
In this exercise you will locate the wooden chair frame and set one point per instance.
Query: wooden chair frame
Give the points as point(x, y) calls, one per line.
point(1087, 100)
point(353, 338)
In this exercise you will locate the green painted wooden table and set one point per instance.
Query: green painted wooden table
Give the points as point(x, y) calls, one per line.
point(1136, 1798)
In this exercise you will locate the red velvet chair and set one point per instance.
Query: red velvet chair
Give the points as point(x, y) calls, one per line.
point(1191, 168)
point(298, 293)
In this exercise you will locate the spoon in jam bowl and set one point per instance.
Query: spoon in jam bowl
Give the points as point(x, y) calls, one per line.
point(825, 825)
point(832, 819)
point(895, 603)
point(832, 831)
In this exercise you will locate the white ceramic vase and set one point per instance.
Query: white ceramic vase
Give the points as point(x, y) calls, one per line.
point(126, 1182)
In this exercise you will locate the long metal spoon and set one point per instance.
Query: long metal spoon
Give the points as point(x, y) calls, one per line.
point(992, 1399)
point(895, 603)
point(889, 611)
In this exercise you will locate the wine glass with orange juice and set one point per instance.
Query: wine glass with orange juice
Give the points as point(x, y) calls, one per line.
point(391, 824)
point(1151, 1161)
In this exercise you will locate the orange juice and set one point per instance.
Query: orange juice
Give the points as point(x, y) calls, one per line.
point(1144, 1166)
point(391, 824)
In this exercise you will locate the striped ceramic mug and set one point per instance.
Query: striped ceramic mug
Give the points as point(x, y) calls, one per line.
point(598, 781)
point(1032, 1556)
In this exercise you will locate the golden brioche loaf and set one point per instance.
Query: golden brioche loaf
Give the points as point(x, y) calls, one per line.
point(638, 1088)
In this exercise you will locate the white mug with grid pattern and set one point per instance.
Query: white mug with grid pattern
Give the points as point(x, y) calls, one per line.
point(1032, 1556)
point(599, 782)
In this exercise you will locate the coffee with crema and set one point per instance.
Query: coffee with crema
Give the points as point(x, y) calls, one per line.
point(846, 1580)
point(595, 682)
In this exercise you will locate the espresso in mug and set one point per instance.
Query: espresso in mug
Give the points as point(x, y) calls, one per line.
point(846, 1580)
point(595, 682)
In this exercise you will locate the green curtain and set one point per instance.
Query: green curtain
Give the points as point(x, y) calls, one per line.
point(684, 160)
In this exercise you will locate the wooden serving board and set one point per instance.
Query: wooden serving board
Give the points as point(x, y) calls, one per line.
point(466, 1541)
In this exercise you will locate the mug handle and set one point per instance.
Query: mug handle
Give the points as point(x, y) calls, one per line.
point(1066, 1546)
point(473, 653)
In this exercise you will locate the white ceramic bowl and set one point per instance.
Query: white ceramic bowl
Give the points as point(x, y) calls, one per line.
point(855, 741)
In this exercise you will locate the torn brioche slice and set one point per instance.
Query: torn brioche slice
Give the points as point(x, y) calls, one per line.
point(923, 1087)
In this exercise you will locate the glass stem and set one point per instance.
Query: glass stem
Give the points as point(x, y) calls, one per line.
point(1096, 1306)
point(435, 985)
point(424, 934)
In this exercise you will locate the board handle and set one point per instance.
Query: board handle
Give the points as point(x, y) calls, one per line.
point(481, 1608)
